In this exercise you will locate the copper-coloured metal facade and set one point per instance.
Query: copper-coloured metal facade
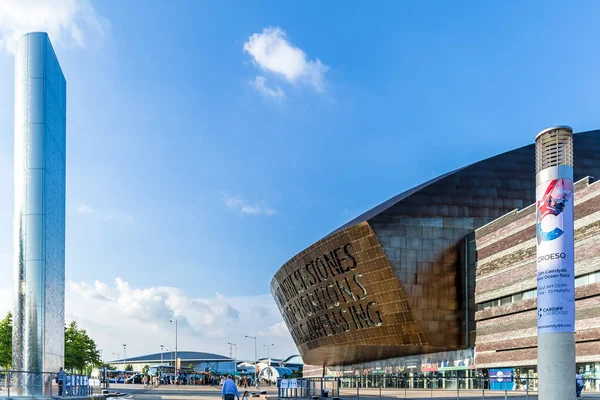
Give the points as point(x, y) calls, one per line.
point(39, 215)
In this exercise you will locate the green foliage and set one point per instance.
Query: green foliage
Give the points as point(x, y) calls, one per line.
point(129, 367)
point(6, 342)
point(191, 365)
point(145, 369)
point(297, 374)
point(80, 349)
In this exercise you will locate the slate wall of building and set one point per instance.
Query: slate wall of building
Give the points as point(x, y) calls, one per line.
point(506, 268)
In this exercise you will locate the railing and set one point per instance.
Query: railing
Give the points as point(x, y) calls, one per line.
point(434, 386)
point(33, 384)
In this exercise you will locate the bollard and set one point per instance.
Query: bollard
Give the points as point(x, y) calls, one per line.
point(505, 394)
point(357, 391)
point(379, 391)
point(482, 388)
point(8, 384)
point(457, 389)
point(527, 388)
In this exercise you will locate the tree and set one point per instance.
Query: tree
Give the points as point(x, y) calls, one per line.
point(80, 349)
point(145, 369)
point(191, 365)
point(6, 342)
point(129, 367)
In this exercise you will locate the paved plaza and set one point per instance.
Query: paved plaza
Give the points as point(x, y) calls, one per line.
point(214, 393)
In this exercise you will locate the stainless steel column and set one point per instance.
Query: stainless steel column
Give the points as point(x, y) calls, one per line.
point(39, 214)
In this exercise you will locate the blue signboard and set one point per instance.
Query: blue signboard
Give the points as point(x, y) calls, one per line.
point(501, 378)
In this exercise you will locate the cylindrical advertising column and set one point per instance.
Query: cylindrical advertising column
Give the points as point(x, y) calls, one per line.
point(555, 263)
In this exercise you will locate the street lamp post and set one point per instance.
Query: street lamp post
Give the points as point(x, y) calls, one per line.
point(235, 361)
point(124, 356)
point(269, 352)
point(255, 373)
point(175, 345)
point(162, 346)
point(118, 357)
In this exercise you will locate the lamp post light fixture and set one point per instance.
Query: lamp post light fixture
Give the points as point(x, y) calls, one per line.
point(118, 357)
point(175, 320)
point(255, 372)
point(162, 346)
point(235, 360)
point(268, 346)
point(124, 355)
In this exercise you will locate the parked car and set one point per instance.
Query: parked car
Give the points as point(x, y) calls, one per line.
point(137, 378)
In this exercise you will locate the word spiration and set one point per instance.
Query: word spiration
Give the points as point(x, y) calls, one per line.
point(321, 286)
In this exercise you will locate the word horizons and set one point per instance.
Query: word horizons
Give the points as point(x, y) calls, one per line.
point(324, 297)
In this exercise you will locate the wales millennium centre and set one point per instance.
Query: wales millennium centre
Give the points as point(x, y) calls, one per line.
point(440, 281)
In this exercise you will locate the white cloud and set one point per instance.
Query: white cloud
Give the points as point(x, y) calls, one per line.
point(116, 312)
point(273, 52)
point(68, 22)
point(246, 208)
point(279, 329)
point(157, 304)
point(106, 215)
point(85, 209)
point(119, 313)
point(260, 84)
point(6, 300)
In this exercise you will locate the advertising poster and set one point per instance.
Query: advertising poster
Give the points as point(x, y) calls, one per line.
point(555, 258)
point(501, 378)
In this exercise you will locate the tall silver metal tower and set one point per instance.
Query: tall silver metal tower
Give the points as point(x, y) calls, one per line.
point(39, 215)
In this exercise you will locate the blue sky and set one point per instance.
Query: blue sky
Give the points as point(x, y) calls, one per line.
point(208, 143)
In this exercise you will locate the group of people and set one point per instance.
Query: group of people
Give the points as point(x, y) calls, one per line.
point(181, 379)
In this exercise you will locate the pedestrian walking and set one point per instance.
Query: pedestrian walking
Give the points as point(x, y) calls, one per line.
point(60, 379)
point(229, 391)
point(578, 384)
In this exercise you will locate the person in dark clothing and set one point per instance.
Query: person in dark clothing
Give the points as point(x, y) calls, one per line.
point(578, 384)
point(60, 379)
